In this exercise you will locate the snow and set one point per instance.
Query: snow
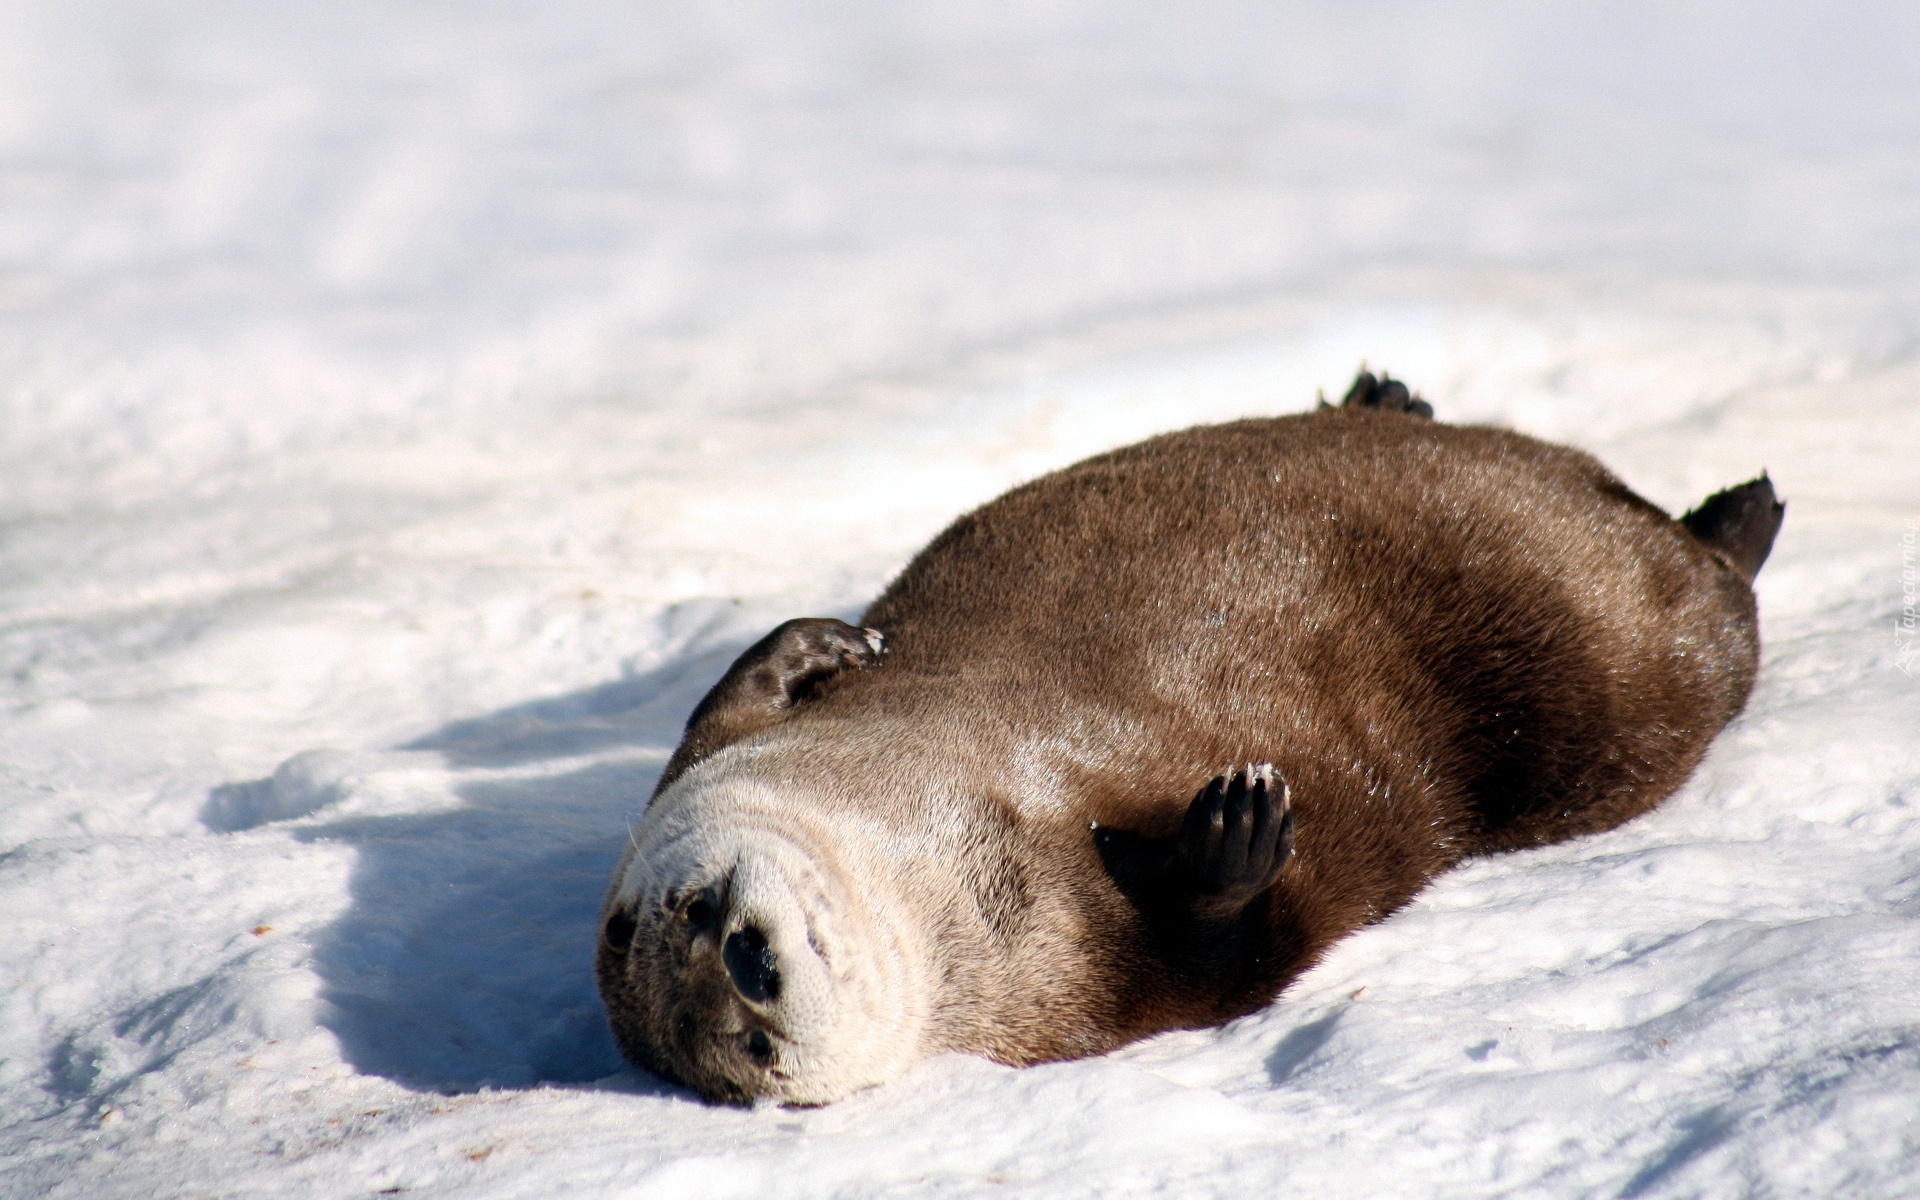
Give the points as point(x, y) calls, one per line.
point(407, 409)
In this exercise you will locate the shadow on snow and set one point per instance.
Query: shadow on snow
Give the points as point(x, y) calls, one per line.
point(464, 959)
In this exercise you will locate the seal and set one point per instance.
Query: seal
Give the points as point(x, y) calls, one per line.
point(1128, 748)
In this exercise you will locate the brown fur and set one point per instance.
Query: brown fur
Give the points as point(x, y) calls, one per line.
point(1449, 641)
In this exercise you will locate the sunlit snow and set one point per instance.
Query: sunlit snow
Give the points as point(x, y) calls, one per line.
point(407, 409)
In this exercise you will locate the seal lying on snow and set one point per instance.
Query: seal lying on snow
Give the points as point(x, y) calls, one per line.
point(972, 825)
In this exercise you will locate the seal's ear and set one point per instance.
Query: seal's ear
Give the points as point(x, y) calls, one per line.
point(776, 673)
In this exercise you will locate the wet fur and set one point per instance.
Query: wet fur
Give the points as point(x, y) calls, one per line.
point(1448, 641)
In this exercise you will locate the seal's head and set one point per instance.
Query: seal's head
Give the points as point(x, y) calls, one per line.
point(751, 946)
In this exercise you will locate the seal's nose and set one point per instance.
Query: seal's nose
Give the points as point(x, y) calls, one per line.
point(752, 965)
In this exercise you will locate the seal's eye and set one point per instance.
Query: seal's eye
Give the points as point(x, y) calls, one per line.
point(701, 911)
point(619, 931)
point(759, 1047)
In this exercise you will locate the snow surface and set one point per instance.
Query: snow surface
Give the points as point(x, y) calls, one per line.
point(406, 409)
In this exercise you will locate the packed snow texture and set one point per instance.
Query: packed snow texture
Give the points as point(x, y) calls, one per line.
point(407, 409)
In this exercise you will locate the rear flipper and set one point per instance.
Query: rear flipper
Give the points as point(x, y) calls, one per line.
point(1386, 394)
point(1740, 523)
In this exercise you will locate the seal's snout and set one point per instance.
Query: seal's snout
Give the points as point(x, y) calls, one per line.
point(736, 958)
point(752, 965)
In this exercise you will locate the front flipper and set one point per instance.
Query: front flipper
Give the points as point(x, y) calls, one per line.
point(1237, 839)
point(775, 674)
point(1196, 886)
